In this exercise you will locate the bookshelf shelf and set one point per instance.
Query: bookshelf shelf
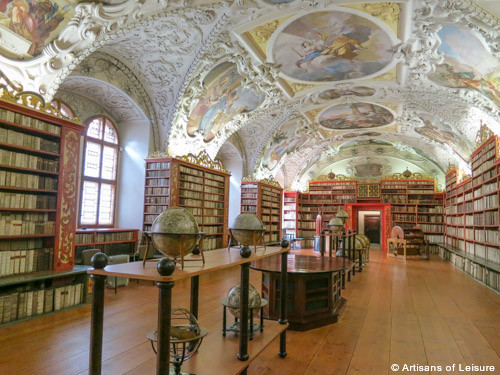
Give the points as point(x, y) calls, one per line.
point(265, 200)
point(111, 241)
point(203, 190)
point(39, 158)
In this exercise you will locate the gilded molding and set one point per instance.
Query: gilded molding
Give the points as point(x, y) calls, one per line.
point(483, 135)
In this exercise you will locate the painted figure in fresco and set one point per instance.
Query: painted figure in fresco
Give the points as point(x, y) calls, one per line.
point(356, 115)
point(340, 45)
point(35, 21)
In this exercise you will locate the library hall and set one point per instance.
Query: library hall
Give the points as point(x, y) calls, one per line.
point(255, 187)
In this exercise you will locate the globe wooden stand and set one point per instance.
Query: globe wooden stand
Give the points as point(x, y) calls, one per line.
point(180, 236)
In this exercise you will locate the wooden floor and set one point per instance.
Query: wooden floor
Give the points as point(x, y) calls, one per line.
point(413, 312)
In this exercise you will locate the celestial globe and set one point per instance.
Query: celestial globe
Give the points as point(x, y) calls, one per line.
point(336, 225)
point(168, 227)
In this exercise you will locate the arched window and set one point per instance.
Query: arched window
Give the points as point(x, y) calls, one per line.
point(100, 159)
point(62, 107)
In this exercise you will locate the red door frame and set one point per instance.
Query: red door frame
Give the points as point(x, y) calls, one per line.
point(385, 218)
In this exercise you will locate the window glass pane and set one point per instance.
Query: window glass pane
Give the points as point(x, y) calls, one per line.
point(94, 129)
point(92, 159)
point(89, 202)
point(65, 110)
point(110, 134)
point(106, 204)
point(109, 162)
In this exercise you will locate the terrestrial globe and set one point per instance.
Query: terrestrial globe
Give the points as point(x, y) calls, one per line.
point(234, 295)
point(342, 215)
point(247, 229)
point(175, 232)
point(336, 225)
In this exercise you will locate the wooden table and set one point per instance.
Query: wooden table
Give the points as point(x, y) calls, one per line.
point(220, 348)
point(314, 289)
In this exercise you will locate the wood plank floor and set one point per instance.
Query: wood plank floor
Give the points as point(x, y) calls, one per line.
point(398, 312)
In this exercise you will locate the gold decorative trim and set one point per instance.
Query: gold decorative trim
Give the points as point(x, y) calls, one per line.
point(331, 177)
point(12, 93)
point(451, 168)
point(269, 181)
point(483, 135)
point(204, 160)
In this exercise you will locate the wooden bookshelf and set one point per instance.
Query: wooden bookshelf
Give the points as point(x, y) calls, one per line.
point(110, 241)
point(289, 221)
point(415, 203)
point(264, 198)
point(472, 206)
point(39, 162)
point(194, 182)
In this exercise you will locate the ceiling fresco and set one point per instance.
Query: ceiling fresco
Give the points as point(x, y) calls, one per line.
point(294, 81)
point(478, 71)
point(359, 115)
point(331, 46)
point(27, 26)
point(223, 98)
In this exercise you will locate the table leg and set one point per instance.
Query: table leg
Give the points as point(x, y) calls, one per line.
point(283, 298)
point(195, 283)
point(343, 279)
point(245, 280)
point(163, 329)
point(96, 324)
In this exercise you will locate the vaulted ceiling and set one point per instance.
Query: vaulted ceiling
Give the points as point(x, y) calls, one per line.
point(299, 88)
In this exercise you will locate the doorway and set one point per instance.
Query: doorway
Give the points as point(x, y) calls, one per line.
point(372, 228)
point(369, 224)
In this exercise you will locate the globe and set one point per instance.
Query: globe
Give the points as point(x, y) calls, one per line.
point(168, 227)
point(336, 225)
point(247, 229)
point(234, 295)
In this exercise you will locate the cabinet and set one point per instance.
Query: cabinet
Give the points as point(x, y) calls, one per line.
point(290, 202)
point(194, 182)
point(110, 241)
point(264, 199)
point(39, 156)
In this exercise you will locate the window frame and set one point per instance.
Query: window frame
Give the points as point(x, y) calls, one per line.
point(99, 180)
point(56, 103)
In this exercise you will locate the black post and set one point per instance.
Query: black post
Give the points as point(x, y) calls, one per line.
point(163, 329)
point(352, 252)
point(99, 261)
point(360, 260)
point(224, 321)
point(243, 336)
point(344, 244)
point(283, 298)
point(195, 283)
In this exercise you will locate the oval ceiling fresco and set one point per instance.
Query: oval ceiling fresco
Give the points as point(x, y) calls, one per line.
point(355, 116)
point(26, 26)
point(331, 46)
point(355, 91)
point(283, 142)
point(477, 71)
point(223, 98)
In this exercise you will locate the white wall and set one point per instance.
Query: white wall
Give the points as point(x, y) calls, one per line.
point(234, 166)
point(134, 141)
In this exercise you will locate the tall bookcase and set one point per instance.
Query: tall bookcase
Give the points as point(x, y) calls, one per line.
point(194, 182)
point(415, 202)
point(289, 222)
point(264, 198)
point(39, 160)
point(472, 215)
point(472, 206)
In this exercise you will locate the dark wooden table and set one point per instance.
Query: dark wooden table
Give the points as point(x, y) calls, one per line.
point(214, 346)
point(313, 292)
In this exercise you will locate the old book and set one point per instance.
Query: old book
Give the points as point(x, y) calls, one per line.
point(14, 298)
point(48, 304)
point(21, 306)
point(40, 301)
point(6, 309)
point(29, 303)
